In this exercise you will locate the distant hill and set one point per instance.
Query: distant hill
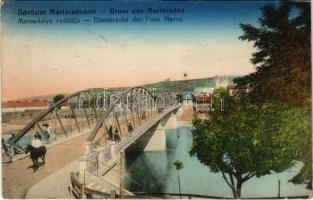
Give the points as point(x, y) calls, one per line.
point(35, 98)
point(190, 85)
point(178, 86)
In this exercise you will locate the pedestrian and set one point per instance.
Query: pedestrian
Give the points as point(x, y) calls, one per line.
point(48, 133)
point(130, 129)
point(37, 136)
point(110, 133)
point(5, 148)
point(36, 143)
point(11, 138)
point(144, 115)
point(117, 137)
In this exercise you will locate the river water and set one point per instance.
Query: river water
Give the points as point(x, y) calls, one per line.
point(154, 172)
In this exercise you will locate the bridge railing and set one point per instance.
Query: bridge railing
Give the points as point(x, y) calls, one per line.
point(101, 159)
point(132, 107)
point(96, 161)
point(125, 110)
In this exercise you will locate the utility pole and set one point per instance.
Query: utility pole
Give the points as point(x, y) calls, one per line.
point(278, 188)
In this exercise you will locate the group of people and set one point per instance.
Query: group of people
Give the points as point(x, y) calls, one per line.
point(46, 134)
point(38, 137)
point(116, 136)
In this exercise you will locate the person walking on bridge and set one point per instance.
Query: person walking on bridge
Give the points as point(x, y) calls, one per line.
point(117, 137)
point(37, 136)
point(110, 133)
point(36, 143)
point(48, 133)
point(130, 129)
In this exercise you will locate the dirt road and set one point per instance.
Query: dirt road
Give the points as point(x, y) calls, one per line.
point(18, 176)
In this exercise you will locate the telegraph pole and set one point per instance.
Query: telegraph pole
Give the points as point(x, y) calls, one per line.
point(278, 188)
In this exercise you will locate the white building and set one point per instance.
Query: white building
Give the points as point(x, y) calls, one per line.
point(203, 90)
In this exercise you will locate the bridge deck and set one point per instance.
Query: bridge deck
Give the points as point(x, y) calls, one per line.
point(143, 129)
point(102, 170)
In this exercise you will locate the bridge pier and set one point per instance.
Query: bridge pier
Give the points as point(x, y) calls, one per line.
point(155, 138)
point(158, 140)
point(102, 169)
point(141, 143)
point(171, 122)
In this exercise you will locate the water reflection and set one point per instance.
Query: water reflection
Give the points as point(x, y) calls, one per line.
point(154, 172)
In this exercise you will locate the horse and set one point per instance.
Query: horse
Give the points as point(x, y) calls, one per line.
point(36, 153)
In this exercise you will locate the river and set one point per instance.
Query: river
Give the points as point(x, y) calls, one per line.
point(154, 172)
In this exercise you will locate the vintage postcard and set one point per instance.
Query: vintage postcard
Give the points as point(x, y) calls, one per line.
point(156, 99)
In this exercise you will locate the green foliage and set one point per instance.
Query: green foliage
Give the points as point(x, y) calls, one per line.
point(221, 96)
point(283, 68)
point(178, 164)
point(91, 101)
point(249, 140)
point(299, 121)
point(221, 91)
point(58, 98)
point(302, 176)
point(283, 57)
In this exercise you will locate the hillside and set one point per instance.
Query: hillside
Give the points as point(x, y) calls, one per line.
point(188, 85)
point(178, 86)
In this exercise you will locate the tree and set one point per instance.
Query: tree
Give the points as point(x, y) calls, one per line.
point(283, 65)
point(283, 56)
point(300, 140)
point(92, 101)
point(221, 96)
point(58, 98)
point(305, 175)
point(179, 165)
point(248, 141)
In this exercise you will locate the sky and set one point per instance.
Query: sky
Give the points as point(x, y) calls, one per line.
point(42, 59)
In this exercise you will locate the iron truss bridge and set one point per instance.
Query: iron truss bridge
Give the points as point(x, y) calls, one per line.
point(103, 113)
